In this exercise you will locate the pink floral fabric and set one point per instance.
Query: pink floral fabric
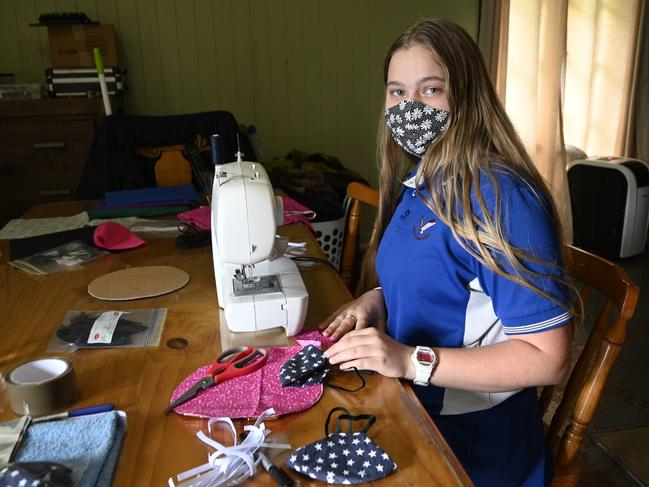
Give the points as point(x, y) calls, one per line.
point(249, 395)
point(201, 217)
point(295, 212)
point(315, 338)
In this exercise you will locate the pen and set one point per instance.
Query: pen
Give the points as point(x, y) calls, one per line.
point(101, 408)
point(278, 474)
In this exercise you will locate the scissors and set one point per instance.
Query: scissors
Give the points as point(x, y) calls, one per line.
point(231, 363)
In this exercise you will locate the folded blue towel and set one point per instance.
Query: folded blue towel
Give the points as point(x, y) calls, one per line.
point(89, 445)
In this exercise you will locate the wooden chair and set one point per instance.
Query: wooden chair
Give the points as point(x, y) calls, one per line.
point(358, 193)
point(580, 397)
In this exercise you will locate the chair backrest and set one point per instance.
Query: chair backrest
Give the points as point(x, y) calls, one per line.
point(358, 193)
point(116, 160)
point(578, 400)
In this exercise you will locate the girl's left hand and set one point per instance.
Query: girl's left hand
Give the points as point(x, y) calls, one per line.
point(371, 349)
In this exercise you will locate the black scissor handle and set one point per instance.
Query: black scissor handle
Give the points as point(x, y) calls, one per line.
point(230, 353)
point(256, 352)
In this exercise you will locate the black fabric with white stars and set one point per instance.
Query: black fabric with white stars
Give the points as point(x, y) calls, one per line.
point(342, 458)
point(35, 474)
point(308, 367)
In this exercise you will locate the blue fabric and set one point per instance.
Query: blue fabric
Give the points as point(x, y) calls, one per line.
point(89, 445)
point(438, 295)
point(134, 197)
point(491, 455)
point(431, 284)
point(423, 269)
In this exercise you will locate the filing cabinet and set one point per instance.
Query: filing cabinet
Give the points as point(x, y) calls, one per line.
point(43, 146)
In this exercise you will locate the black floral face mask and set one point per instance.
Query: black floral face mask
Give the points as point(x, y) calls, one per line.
point(414, 126)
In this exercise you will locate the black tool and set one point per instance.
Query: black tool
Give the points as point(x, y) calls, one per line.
point(279, 475)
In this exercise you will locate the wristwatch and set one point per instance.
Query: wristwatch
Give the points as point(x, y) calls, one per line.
point(425, 360)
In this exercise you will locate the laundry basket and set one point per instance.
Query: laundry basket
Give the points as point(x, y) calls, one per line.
point(330, 235)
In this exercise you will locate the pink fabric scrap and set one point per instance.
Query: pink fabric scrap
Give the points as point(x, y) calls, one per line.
point(199, 217)
point(113, 236)
point(249, 395)
point(295, 212)
point(315, 338)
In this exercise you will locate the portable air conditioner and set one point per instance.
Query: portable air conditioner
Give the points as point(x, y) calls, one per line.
point(610, 205)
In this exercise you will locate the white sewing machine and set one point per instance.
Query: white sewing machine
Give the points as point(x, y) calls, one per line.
point(256, 288)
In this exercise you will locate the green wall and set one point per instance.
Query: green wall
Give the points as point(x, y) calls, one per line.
point(306, 73)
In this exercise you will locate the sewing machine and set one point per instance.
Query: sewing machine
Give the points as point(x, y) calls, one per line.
point(257, 287)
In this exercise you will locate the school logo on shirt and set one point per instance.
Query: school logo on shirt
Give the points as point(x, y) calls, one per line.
point(420, 231)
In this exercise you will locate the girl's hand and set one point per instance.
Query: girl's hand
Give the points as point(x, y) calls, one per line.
point(371, 349)
point(365, 311)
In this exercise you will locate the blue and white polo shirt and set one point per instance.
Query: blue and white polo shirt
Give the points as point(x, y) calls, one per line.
point(438, 295)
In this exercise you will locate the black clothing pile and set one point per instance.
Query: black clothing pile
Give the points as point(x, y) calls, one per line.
point(317, 180)
point(118, 160)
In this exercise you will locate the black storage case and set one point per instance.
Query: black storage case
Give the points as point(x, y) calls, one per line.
point(84, 81)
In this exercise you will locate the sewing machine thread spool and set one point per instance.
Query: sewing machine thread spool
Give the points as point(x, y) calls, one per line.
point(215, 145)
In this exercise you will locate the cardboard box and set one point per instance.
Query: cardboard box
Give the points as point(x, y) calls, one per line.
point(71, 45)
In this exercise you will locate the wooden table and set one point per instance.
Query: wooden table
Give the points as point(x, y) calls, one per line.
point(140, 381)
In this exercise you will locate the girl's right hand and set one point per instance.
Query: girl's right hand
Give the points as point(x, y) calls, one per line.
point(366, 310)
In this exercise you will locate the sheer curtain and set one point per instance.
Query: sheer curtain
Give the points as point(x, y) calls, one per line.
point(564, 70)
point(537, 39)
point(600, 69)
point(637, 137)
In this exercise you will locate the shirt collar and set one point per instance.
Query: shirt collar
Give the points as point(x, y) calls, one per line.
point(412, 176)
point(410, 182)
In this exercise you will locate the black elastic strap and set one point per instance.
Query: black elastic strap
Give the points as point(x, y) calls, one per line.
point(341, 388)
point(370, 418)
point(313, 259)
point(187, 241)
point(339, 408)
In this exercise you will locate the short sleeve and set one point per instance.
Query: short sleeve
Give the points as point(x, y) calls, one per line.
point(528, 225)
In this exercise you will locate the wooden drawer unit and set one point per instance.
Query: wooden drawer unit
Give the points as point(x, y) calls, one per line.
point(43, 146)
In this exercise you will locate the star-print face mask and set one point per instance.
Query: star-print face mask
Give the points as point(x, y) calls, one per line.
point(343, 457)
point(309, 367)
point(414, 126)
point(306, 368)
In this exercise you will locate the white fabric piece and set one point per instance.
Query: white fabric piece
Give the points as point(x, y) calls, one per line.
point(126, 221)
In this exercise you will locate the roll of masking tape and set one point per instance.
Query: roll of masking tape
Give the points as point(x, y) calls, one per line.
point(41, 386)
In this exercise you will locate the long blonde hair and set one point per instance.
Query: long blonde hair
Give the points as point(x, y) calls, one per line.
point(478, 134)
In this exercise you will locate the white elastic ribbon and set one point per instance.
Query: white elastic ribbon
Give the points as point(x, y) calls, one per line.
point(229, 465)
